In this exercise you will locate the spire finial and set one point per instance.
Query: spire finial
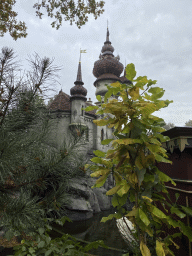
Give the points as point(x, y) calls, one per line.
point(107, 37)
point(79, 75)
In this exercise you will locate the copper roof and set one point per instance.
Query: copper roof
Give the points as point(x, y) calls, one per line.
point(61, 102)
point(78, 90)
point(107, 63)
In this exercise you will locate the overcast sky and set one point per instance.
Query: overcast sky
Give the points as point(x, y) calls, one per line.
point(155, 35)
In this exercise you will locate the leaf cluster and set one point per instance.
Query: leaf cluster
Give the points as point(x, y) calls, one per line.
point(136, 148)
point(71, 10)
point(43, 244)
point(58, 9)
point(8, 22)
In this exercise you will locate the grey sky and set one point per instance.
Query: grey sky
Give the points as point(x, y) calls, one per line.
point(154, 35)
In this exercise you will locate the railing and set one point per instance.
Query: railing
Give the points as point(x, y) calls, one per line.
point(187, 203)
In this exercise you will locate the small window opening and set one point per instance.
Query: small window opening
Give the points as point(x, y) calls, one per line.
point(87, 134)
point(102, 135)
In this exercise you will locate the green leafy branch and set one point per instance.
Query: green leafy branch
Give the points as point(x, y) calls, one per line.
point(136, 147)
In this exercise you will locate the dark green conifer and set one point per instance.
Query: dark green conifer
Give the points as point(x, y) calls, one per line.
point(33, 174)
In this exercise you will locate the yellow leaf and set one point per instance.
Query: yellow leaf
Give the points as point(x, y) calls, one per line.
point(99, 173)
point(128, 141)
point(124, 188)
point(116, 84)
point(101, 122)
point(118, 178)
point(149, 231)
point(101, 179)
point(176, 245)
point(132, 213)
point(146, 197)
point(133, 178)
point(155, 141)
point(159, 249)
point(113, 190)
point(134, 93)
point(148, 109)
point(144, 249)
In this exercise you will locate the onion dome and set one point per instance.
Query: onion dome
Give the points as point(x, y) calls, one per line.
point(78, 91)
point(107, 65)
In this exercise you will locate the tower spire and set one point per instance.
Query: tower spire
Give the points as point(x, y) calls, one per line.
point(79, 75)
point(78, 91)
point(107, 36)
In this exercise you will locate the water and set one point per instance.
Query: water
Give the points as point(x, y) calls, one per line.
point(92, 230)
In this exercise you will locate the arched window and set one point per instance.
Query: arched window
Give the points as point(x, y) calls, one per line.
point(82, 111)
point(87, 134)
point(102, 135)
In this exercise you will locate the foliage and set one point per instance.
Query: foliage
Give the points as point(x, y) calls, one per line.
point(168, 126)
point(8, 21)
point(42, 244)
point(59, 9)
point(33, 174)
point(188, 123)
point(136, 148)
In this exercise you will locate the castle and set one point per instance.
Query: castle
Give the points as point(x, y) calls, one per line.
point(66, 110)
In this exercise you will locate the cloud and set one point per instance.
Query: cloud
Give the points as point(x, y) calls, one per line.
point(154, 35)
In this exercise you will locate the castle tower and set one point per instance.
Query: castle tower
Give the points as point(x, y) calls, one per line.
point(78, 99)
point(107, 69)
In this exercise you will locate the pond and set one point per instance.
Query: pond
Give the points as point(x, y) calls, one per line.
point(92, 230)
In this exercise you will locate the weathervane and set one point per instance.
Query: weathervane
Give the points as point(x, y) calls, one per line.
point(81, 51)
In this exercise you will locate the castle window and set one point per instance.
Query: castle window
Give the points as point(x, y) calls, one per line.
point(102, 135)
point(87, 134)
point(82, 111)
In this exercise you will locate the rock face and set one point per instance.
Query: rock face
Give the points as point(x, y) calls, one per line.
point(104, 201)
point(84, 201)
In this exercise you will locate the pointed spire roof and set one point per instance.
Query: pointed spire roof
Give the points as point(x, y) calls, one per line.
point(79, 75)
point(107, 48)
point(107, 36)
point(78, 91)
point(108, 66)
